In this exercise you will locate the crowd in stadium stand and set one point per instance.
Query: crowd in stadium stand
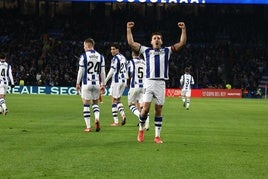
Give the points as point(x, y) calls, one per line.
point(225, 45)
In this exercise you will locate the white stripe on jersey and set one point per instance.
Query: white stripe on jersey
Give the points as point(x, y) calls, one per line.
point(157, 62)
point(92, 62)
point(187, 80)
point(119, 64)
point(136, 68)
point(6, 73)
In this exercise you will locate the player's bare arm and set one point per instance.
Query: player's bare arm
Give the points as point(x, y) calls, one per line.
point(134, 45)
point(176, 47)
point(102, 89)
point(78, 88)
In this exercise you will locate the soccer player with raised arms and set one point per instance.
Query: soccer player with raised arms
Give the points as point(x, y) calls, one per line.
point(157, 69)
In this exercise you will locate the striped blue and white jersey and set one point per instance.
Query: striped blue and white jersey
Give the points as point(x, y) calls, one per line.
point(186, 81)
point(6, 74)
point(118, 69)
point(136, 69)
point(157, 62)
point(93, 68)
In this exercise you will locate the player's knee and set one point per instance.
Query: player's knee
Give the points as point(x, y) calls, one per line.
point(143, 117)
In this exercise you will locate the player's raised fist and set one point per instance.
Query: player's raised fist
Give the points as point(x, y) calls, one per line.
point(181, 25)
point(130, 24)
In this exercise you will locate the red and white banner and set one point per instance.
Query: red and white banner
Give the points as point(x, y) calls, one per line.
point(207, 93)
point(172, 92)
point(222, 93)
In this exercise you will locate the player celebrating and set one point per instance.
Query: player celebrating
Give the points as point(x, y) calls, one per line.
point(156, 60)
point(118, 72)
point(136, 67)
point(92, 73)
point(5, 77)
point(186, 81)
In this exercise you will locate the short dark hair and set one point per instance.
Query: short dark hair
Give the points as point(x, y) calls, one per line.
point(116, 46)
point(156, 33)
point(2, 56)
point(135, 52)
point(187, 70)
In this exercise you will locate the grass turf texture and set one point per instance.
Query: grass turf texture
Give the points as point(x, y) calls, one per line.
point(42, 136)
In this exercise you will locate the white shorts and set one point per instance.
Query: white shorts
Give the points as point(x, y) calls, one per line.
point(3, 89)
point(117, 89)
point(135, 95)
point(186, 93)
point(90, 92)
point(154, 89)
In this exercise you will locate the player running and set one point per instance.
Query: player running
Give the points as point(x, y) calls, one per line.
point(136, 72)
point(186, 81)
point(5, 77)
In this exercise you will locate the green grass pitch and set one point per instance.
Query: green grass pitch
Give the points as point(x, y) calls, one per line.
point(42, 137)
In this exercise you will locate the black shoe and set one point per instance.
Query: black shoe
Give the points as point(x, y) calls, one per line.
point(5, 111)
